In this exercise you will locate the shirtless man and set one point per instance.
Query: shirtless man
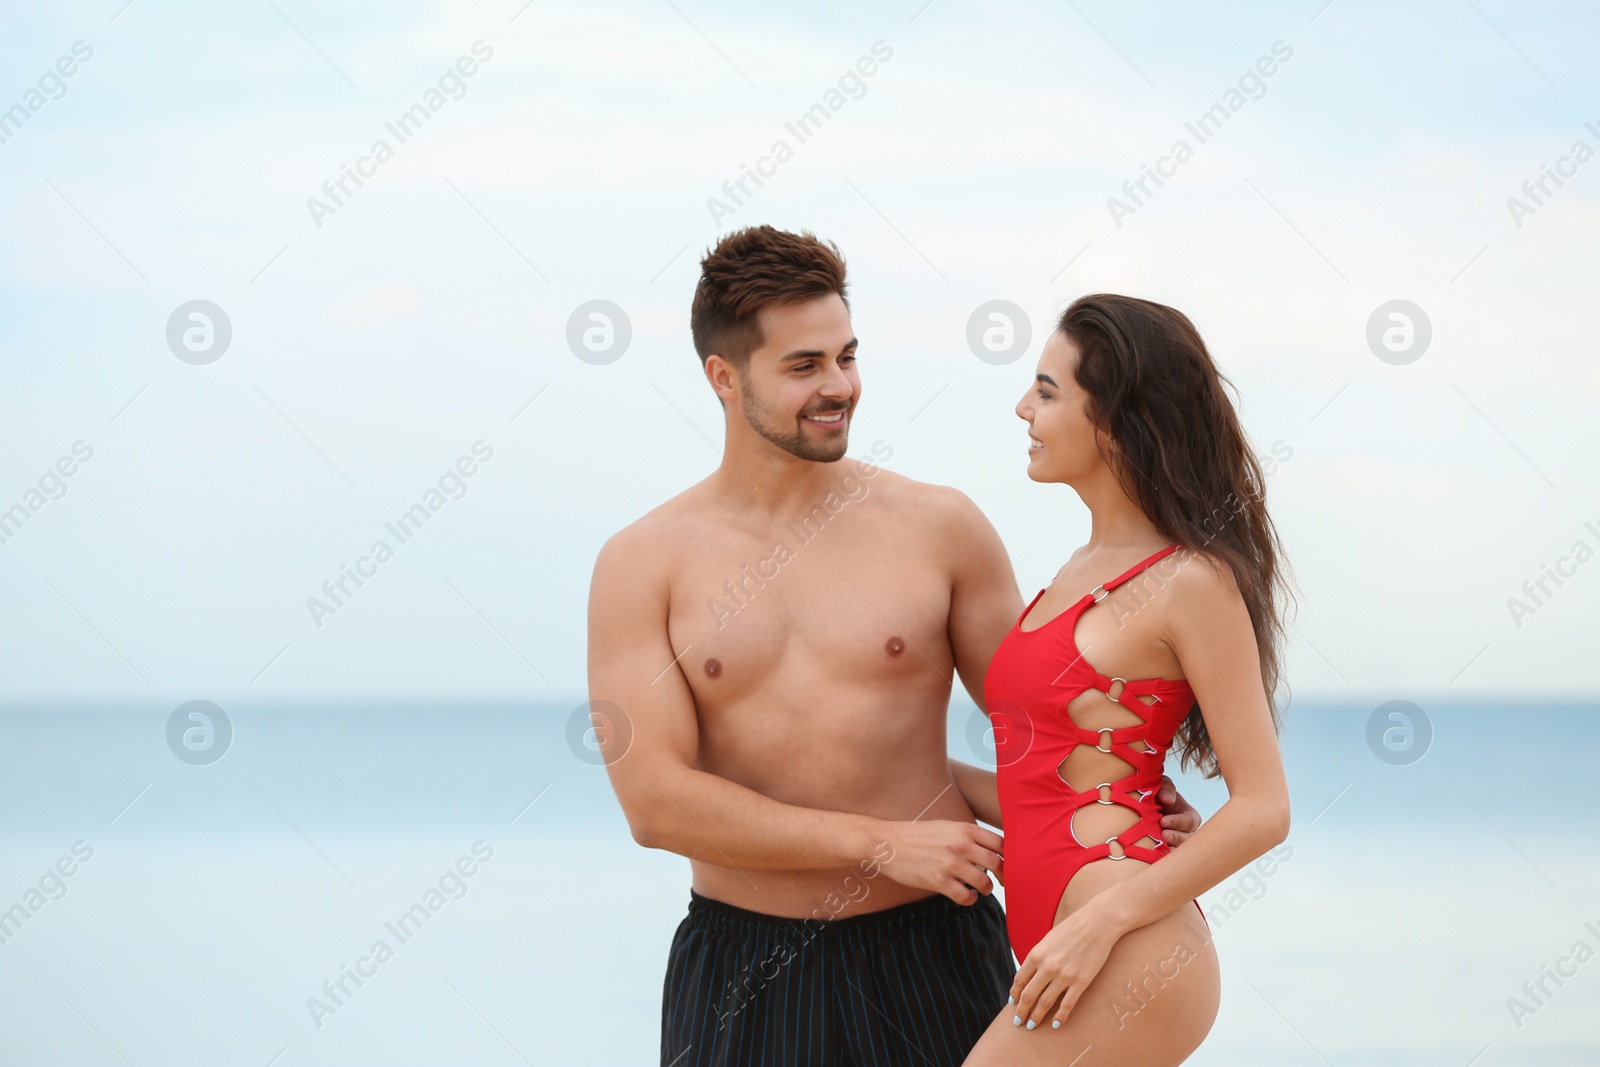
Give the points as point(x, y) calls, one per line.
point(771, 655)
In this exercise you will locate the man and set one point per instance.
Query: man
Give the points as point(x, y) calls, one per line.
point(774, 650)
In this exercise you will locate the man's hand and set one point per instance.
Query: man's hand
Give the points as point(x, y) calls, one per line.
point(953, 858)
point(1178, 817)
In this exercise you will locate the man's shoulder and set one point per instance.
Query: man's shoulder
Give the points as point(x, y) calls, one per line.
point(647, 543)
point(928, 501)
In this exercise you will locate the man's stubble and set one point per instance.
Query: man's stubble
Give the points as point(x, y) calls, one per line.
point(793, 441)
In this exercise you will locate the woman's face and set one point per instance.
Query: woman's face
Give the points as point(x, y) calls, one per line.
point(1066, 446)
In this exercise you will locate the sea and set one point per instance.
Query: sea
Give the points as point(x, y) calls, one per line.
point(393, 883)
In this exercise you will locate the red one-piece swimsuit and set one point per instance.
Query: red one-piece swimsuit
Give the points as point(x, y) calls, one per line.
point(1032, 678)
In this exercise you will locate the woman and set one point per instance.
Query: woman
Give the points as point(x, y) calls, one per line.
point(1162, 632)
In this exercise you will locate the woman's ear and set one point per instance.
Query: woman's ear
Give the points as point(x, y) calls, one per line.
point(1107, 445)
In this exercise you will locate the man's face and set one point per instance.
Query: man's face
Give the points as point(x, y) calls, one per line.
point(801, 386)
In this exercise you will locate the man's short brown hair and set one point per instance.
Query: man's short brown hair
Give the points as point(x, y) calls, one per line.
point(749, 269)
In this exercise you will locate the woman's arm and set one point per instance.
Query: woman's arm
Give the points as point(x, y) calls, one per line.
point(977, 787)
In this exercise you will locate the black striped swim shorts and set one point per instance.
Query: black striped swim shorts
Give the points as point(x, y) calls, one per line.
point(915, 984)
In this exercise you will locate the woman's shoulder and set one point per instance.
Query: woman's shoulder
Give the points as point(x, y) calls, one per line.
point(1202, 575)
point(1202, 586)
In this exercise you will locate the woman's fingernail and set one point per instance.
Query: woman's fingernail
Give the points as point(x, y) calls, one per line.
point(1031, 1024)
point(1011, 1000)
point(1055, 1024)
point(1016, 1020)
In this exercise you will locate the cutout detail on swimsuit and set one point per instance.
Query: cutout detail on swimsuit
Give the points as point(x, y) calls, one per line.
point(1107, 753)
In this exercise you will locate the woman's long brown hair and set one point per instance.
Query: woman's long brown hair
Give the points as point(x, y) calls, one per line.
point(1179, 452)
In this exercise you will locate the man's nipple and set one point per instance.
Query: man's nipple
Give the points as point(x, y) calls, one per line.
point(895, 645)
point(713, 668)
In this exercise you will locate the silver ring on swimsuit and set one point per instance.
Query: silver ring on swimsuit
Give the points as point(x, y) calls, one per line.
point(1105, 739)
point(1102, 785)
point(1103, 593)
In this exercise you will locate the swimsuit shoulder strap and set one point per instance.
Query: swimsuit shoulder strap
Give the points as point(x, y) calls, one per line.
point(1137, 567)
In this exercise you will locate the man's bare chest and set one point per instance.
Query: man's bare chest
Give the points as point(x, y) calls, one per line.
point(841, 602)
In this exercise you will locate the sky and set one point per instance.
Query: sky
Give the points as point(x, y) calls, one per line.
point(382, 334)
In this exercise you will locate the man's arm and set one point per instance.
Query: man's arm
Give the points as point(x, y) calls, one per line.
point(984, 602)
point(652, 749)
point(979, 789)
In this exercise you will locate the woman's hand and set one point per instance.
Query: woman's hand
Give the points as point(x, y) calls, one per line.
point(1060, 967)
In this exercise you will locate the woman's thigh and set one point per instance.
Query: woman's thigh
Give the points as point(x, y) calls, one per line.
point(1150, 1006)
